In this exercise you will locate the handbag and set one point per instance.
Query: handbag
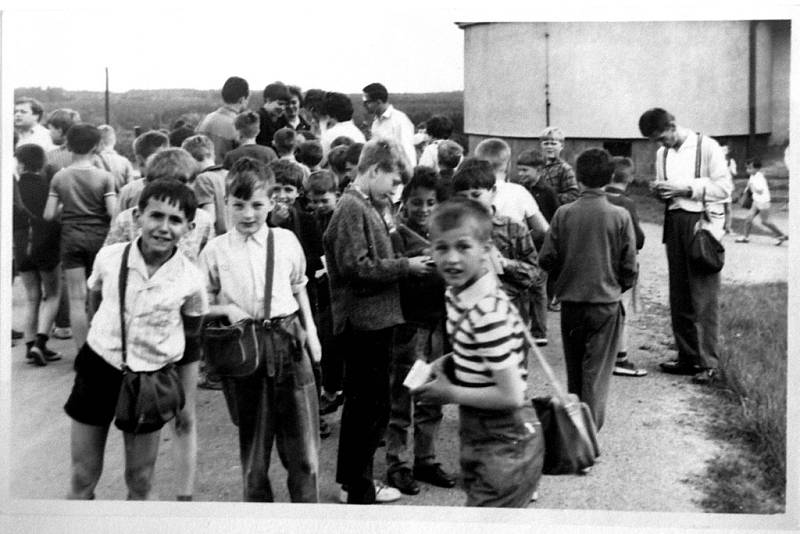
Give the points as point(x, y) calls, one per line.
point(231, 350)
point(570, 434)
point(148, 399)
point(705, 251)
point(747, 198)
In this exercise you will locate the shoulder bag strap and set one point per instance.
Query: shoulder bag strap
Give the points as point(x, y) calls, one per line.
point(122, 286)
point(269, 274)
point(664, 162)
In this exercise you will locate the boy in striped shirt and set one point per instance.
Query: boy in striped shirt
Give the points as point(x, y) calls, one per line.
point(502, 445)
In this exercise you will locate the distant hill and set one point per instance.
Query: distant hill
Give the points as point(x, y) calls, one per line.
point(160, 108)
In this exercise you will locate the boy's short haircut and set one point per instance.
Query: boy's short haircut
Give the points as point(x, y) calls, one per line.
point(247, 175)
point(474, 173)
point(755, 162)
point(342, 140)
point(439, 127)
point(337, 159)
point(354, 153)
point(594, 167)
point(309, 153)
point(171, 191)
point(180, 134)
point(108, 136)
point(531, 158)
point(276, 91)
point(450, 154)
point(654, 121)
point(149, 142)
point(234, 89)
point(247, 124)
point(63, 119)
point(82, 138)
point(174, 163)
point(456, 211)
point(313, 100)
point(31, 156)
point(200, 146)
point(552, 132)
point(376, 91)
point(284, 140)
point(338, 106)
point(384, 154)
point(295, 91)
point(321, 182)
point(36, 106)
point(495, 151)
point(287, 172)
point(623, 169)
point(424, 178)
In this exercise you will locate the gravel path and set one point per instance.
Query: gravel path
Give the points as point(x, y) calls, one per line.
point(653, 440)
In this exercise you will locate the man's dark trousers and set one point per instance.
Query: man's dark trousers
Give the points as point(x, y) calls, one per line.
point(693, 295)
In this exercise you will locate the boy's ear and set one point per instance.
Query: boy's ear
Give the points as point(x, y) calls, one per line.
point(192, 225)
point(136, 212)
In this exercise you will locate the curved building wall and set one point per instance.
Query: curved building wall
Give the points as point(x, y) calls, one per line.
point(603, 75)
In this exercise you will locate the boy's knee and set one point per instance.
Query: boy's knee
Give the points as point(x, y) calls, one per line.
point(184, 423)
point(84, 480)
point(139, 482)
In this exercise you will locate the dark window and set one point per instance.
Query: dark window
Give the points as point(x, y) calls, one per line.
point(618, 148)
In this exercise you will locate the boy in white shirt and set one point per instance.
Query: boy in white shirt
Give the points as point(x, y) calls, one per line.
point(279, 401)
point(757, 184)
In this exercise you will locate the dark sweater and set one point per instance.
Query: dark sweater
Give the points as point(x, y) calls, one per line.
point(421, 297)
point(590, 250)
point(618, 197)
point(363, 267)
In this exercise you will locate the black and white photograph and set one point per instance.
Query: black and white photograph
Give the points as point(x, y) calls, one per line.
point(359, 267)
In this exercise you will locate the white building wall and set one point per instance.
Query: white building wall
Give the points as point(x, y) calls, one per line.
point(603, 75)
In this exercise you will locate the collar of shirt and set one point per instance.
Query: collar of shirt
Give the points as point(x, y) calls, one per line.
point(136, 263)
point(469, 297)
point(259, 236)
point(387, 114)
point(593, 193)
point(614, 190)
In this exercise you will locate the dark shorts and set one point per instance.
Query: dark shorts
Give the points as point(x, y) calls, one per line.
point(93, 400)
point(42, 256)
point(80, 244)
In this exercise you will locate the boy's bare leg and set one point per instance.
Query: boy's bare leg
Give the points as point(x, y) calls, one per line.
point(76, 288)
point(141, 451)
point(33, 296)
point(184, 427)
point(51, 296)
point(87, 446)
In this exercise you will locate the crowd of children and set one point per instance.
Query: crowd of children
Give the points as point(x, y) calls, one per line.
point(353, 263)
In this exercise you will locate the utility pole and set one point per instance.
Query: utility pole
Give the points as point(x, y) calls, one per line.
point(546, 78)
point(108, 109)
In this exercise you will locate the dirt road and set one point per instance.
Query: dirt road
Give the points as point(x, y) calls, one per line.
point(653, 440)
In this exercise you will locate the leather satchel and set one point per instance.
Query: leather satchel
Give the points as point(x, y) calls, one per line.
point(147, 400)
point(705, 251)
point(231, 350)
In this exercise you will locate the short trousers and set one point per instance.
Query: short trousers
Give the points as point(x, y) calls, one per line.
point(93, 400)
point(43, 256)
point(80, 244)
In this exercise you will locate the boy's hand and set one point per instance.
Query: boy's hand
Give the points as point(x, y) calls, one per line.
point(437, 391)
point(667, 190)
point(236, 314)
point(280, 213)
point(420, 265)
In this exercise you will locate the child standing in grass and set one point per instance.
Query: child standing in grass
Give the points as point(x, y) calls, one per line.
point(757, 184)
point(501, 441)
point(590, 252)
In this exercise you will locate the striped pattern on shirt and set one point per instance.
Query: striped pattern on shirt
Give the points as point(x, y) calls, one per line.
point(489, 339)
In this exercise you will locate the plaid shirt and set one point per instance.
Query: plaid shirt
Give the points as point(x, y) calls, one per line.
point(560, 176)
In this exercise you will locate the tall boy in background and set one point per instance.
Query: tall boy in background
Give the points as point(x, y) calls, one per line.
point(218, 125)
point(590, 251)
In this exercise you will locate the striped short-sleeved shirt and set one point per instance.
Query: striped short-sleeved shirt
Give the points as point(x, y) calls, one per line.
point(490, 337)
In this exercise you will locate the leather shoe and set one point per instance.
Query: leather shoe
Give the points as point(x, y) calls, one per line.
point(435, 475)
point(402, 480)
point(708, 376)
point(674, 367)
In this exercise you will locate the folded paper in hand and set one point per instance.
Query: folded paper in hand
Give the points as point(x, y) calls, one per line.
point(419, 374)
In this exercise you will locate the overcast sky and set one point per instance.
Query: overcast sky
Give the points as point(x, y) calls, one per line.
point(338, 49)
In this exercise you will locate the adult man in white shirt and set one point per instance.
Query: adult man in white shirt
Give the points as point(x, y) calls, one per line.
point(390, 122)
point(692, 293)
point(27, 115)
point(337, 115)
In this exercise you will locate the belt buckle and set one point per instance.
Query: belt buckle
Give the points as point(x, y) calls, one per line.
point(267, 324)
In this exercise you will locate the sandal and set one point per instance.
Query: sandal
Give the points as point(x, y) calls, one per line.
point(626, 368)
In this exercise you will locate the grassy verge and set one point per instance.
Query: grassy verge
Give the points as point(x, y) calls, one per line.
point(751, 414)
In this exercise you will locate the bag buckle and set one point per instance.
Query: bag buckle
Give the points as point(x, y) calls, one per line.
point(268, 324)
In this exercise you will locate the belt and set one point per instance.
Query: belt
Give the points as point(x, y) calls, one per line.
point(277, 322)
